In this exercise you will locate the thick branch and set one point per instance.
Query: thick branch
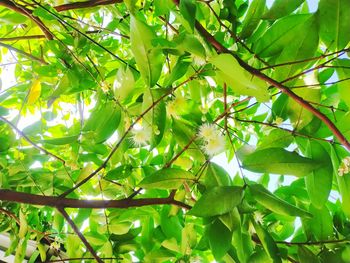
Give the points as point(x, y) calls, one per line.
point(28, 13)
point(86, 4)
point(53, 201)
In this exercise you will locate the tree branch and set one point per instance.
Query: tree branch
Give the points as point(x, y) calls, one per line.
point(80, 235)
point(22, 38)
point(30, 141)
point(87, 4)
point(23, 53)
point(28, 13)
point(59, 202)
point(255, 72)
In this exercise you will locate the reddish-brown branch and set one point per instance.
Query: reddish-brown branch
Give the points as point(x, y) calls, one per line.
point(54, 201)
point(28, 13)
point(87, 4)
point(255, 72)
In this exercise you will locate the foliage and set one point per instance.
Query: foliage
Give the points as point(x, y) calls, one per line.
point(109, 136)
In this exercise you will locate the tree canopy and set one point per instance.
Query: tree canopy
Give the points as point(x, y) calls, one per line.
point(109, 136)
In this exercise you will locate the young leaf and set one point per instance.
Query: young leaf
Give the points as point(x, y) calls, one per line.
point(148, 59)
point(169, 178)
point(274, 203)
point(279, 161)
point(217, 201)
point(34, 92)
point(241, 82)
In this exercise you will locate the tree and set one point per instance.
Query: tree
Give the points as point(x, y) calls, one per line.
point(108, 136)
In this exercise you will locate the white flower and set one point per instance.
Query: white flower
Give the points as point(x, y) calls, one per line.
point(259, 217)
point(171, 109)
point(214, 142)
point(177, 106)
point(214, 146)
point(344, 167)
point(141, 134)
point(208, 132)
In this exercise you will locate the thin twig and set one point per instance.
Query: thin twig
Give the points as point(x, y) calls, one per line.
point(80, 235)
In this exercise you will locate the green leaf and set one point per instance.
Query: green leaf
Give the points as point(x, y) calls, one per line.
point(188, 11)
point(282, 8)
point(23, 224)
point(219, 238)
point(276, 138)
point(299, 116)
point(104, 121)
point(149, 59)
point(274, 203)
point(121, 172)
point(281, 35)
point(279, 161)
point(178, 71)
point(267, 242)
point(156, 117)
point(343, 71)
point(337, 153)
point(334, 23)
point(217, 201)
point(215, 175)
point(252, 18)
point(183, 134)
point(62, 140)
point(301, 48)
point(321, 223)
point(306, 256)
point(169, 178)
point(319, 182)
point(241, 82)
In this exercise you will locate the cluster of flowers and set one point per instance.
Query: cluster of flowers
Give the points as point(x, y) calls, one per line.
point(214, 141)
point(344, 166)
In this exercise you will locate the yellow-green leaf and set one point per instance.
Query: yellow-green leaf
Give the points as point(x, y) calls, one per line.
point(241, 81)
point(34, 92)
